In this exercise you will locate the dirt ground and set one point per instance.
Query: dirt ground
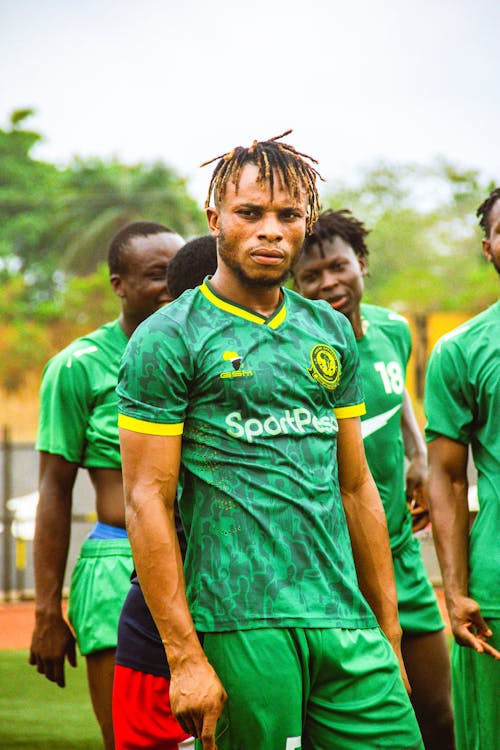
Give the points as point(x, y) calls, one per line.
point(17, 619)
point(16, 623)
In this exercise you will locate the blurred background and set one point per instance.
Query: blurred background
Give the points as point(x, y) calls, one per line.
point(107, 109)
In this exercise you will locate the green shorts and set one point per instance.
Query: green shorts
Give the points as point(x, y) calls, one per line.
point(99, 585)
point(417, 604)
point(475, 680)
point(306, 689)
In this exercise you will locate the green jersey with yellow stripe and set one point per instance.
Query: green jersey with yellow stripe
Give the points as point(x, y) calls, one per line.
point(257, 402)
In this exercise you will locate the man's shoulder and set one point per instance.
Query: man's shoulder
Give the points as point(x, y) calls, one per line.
point(316, 307)
point(466, 336)
point(89, 348)
point(384, 317)
point(176, 315)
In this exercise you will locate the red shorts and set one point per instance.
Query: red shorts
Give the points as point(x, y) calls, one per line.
point(141, 712)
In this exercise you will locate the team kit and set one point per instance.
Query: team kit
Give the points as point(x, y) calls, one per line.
point(254, 581)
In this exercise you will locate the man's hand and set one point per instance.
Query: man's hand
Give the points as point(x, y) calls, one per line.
point(469, 627)
point(52, 641)
point(416, 477)
point(197, 698)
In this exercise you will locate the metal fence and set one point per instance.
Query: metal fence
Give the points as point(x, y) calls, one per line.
point(19, 472)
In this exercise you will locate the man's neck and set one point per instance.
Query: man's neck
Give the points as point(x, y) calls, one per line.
point(356, 321)
point(127, 325)
point(262, 300)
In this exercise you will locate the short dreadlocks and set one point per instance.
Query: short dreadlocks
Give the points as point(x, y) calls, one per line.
point(338, 224)
point(484, 210)
point(273, 160)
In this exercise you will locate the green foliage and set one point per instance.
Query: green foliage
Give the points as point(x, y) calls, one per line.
point(35, 331)
point(425, 244)
point(61, 220)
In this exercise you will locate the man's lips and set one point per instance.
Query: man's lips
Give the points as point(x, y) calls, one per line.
point(267, 256)
point(338, 302)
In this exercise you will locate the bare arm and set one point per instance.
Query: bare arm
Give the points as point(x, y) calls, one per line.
point(368, 530)
point(450, 525)
point(52, 640)
point(416, 475)
point(150, 475)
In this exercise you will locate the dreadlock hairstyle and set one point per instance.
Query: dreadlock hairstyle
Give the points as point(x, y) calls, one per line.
point(484, 210)
point(273, 160)
point(338, 224)
point(120, 243)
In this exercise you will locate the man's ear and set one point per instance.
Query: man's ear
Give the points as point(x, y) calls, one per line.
point(213, 220)
point(487, 249)
point(362, 265)
point(117, 284)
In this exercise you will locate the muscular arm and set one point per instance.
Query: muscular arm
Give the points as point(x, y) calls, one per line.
point(416, 474)
point(52, 640)
point(368, 531)
point(150, 475)
point(450, 525)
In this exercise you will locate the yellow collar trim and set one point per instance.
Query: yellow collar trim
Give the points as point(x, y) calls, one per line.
point(273, 322)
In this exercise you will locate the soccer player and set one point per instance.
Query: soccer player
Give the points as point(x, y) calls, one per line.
point(244, 393)
point(78, 428)
point(141, 669)
point(196, 260)
point(332, 267)
point(462, 405)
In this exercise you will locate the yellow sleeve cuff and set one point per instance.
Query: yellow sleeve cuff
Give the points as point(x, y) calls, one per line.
point(149, 428)
point(350, 411)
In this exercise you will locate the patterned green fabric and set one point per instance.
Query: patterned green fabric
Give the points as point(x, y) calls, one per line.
point(267, 538)
point(384, 351)
point(78, 409)
point(462, 402)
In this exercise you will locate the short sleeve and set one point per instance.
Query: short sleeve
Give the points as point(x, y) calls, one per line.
point(65, 404)
point(154, 377)
point(448, 399)
point(349, 397)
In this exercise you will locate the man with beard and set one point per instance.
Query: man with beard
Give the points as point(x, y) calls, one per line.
point(248, 397)
point(462, 405)
point(332, 267)
point(78, 428)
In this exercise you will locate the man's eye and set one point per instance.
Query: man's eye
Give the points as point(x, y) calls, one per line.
point(248, 212)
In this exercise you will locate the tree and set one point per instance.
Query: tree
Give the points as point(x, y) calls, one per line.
point(425, 244)
point(100, 198)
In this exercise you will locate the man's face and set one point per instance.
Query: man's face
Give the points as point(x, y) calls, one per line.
point(258, 237)
point(332, 272)
point(491, 246)
point(143, 286)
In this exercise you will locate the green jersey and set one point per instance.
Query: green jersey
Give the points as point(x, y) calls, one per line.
point(78, 409)
point(462, 402)
point(384, 351)
point(257, 402)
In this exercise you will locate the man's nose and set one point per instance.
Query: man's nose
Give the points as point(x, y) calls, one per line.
point(329, 279)
point(270, 228)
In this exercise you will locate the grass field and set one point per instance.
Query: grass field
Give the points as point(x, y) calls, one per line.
point(37, 715)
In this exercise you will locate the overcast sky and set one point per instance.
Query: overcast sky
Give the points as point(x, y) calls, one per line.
point(183, 81)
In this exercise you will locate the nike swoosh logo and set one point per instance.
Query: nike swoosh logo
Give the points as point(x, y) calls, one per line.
point(371, 425)
point(80, 353)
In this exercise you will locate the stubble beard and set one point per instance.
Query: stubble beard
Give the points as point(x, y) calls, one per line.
point(251, 282)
